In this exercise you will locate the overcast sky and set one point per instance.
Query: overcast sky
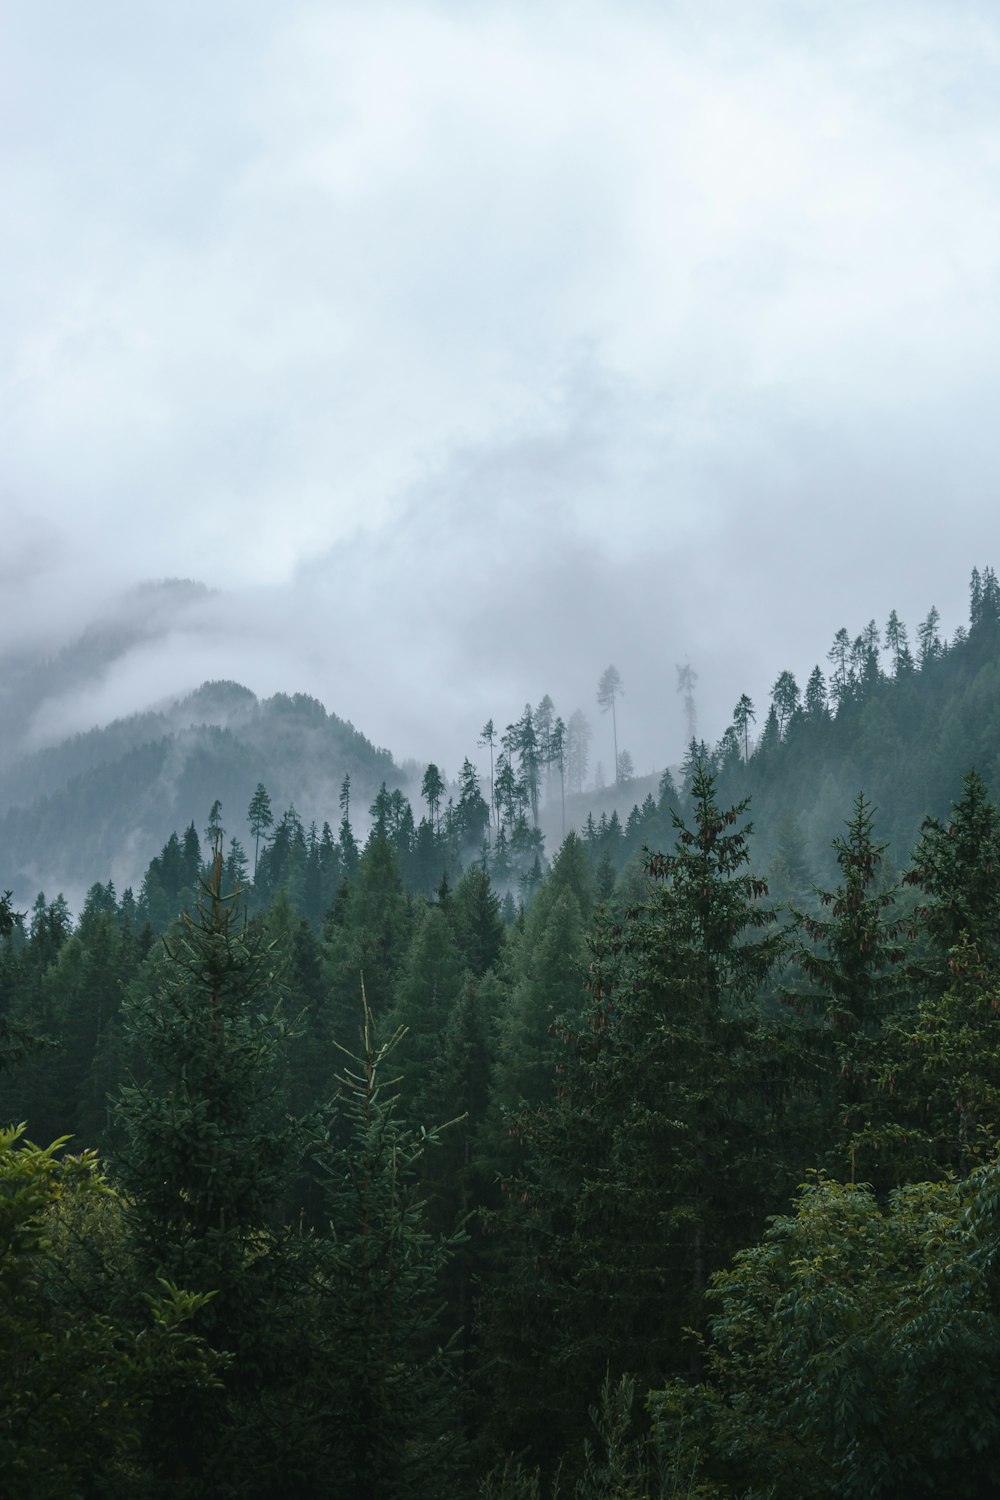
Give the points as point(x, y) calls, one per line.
point(465, 348)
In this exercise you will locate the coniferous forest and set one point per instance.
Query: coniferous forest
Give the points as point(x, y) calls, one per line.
point(402, 1155)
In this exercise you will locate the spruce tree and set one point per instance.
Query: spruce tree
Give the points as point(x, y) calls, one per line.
point(957, 867)
point(474, 915)
point(385, 1412)
point(425, 994)
point(851, 965)
point(207, 1148)
point(260, 818)
point(650, 1160)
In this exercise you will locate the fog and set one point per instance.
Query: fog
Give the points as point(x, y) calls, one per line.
point(464, 349)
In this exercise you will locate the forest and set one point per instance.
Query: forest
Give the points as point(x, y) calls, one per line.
point(422, 1161)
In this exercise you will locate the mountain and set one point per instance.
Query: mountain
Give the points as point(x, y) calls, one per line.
point(100, 804)
point(900, 725)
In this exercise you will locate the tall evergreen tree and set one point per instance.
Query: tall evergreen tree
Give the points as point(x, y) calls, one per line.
point(487, 736)
point(471, 813)
point(785, 697)
point(609, 690)
point(544, 724)
point(386, 1419)
point(929, 636)
point(474, 915)
point(815, 699)
point(650, 1162)
point(426, 992)
point(686, 679)
point(957, 867)
point(207, 1149)
point(743, 717)
point(897, 643)
point(261, 819)
point(577, 751)
point(432, 790)
point(852, 969)
point(839, 656)
point(557, 753)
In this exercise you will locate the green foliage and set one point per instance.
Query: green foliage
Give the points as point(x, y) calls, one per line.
point(385, 1413)
point(474, 915)
point(78, 1387)
point(852, 966)
point(208, 1150)
point(939, 1104)
point(206, 1137)
point(426, 993)
point(633, 1103)
point(957, 867)
point(655, 1151)
point(368, 934)
point(548, 991)
point(844, 1347)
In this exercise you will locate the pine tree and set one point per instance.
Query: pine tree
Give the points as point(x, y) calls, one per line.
point(557, 755)
point(214, 831)
point(686, 679)
point(487, 736)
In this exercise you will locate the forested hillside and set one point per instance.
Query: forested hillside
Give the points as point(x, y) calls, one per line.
point(433, 1162)
point(106, 799)
point(902, 720)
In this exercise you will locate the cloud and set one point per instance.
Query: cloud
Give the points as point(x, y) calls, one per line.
point(467, 348)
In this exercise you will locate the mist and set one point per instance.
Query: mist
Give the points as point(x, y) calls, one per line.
point(460, 351)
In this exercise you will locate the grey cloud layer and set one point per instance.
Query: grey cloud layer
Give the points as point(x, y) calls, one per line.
point(470, 348)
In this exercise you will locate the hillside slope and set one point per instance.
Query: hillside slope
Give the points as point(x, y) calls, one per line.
point(101, 804)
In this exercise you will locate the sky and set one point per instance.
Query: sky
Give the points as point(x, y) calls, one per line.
point(464, 348)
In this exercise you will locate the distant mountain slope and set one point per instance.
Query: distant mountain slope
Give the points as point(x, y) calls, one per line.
point(101, 804)
point(902, 727)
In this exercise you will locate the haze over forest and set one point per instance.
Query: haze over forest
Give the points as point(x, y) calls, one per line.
point(460, 350)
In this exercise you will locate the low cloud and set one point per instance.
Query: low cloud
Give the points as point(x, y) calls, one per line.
point(463, 350)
